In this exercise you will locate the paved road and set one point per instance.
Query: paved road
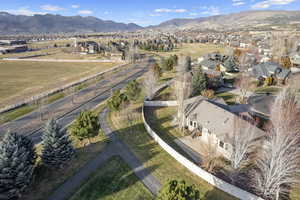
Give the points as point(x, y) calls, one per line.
point(116, 147)
point(65, 111)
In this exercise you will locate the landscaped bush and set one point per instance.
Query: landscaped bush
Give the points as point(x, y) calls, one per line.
point(132, 90)
point(208, 93)
point(179, 190)
point(85, 126)
point(117, 99)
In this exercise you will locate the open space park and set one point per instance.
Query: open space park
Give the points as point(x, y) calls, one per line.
point(20, 80)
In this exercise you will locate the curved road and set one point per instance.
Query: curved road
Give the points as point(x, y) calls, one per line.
point(66, 111)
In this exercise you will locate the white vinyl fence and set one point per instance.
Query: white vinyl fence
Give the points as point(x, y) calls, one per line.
point(211, 179)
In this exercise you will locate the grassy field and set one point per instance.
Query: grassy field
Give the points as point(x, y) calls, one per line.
point(228, 97)
point(114, 180)
point(24, 79)
point(133, 133)
point(194, 50)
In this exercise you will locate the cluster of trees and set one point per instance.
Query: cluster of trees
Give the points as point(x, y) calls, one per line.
point(18, 157)
point(156, 45)
point(131, 92)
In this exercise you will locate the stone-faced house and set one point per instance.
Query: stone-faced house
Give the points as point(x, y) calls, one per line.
point(262, 71)
point(213, 124)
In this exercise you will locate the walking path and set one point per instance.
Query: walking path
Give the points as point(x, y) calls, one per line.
point(116, 147)
point(137, 166)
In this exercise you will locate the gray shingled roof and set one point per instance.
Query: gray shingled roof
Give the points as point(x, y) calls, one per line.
point(216, 119)
point(268, 68)
point(210, 64)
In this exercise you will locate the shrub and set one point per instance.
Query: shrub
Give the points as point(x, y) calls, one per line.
point(208, 93)
point(132, 90)
point(117, 99)
point(178, 190)
point(85, 126)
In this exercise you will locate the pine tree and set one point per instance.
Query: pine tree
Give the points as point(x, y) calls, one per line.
point(86, 126)
point(17, 159)
point(199, 82)
point(57, 148)
point(178, 190)
point(132, 90)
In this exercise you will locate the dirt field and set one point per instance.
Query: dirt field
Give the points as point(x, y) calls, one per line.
point(23, 79)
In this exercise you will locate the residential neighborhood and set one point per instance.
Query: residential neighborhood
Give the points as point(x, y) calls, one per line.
point(157, 100)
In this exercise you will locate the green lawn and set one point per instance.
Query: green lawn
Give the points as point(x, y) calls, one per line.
point(14, 114)
point(228, 97)
point(153, 156)
point(23, 110)
point(113, 181)
point(268, 89)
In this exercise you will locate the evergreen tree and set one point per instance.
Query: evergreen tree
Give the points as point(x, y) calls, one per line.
point(57, 148)
point(199, 82)
point(117, 99)
point(157, 70)
point(85, 126)
point(132, 90)
point(17, 159)
point(178, 190)
point(188, 64)
point(230, 64)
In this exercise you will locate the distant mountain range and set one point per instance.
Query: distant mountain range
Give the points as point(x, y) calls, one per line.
point(247, 20)
point(17, 24)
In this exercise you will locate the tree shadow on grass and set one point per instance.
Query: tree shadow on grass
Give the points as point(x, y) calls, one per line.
point(114, 179)
point(164, 132)
point(46, 179)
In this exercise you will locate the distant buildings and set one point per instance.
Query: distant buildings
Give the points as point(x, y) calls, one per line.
point(12, 46)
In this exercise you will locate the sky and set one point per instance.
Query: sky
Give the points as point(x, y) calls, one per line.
point(143, 12)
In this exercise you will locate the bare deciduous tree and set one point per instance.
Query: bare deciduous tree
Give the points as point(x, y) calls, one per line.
point(183, 89)
point(150, 84)
point(285, 114)
point(278, 164)
point(244, 84)
point(244, 142)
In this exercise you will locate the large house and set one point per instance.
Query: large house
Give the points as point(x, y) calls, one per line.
point(270, 69)
point(218, 62)
point(212, 123)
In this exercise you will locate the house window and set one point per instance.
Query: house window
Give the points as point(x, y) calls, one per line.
point(221, 144)
point(191, 123)
point(195, 124)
